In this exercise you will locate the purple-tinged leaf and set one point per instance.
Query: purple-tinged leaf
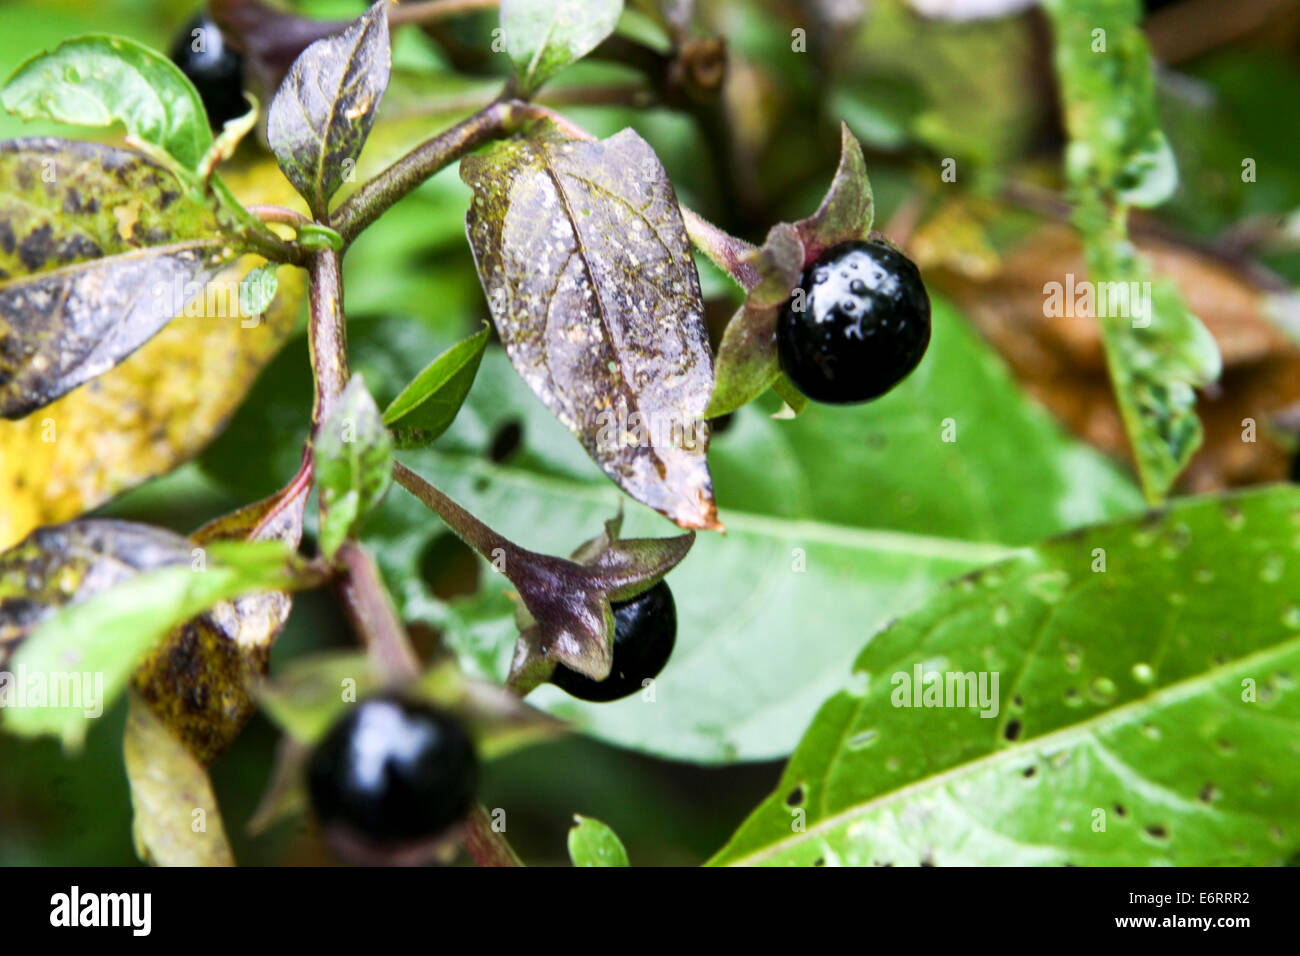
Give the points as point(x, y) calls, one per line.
point(322, 114)
point(583, 254)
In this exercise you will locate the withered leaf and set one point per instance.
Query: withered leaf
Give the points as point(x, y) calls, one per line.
point(176, 819)
point(583, 254)
point(322, 114)
point(99, 249)
point(747, 359)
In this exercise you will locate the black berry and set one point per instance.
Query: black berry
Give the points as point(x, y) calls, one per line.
point(645, 629)
point(863, 326)
point(214, 67)
point(392, 772)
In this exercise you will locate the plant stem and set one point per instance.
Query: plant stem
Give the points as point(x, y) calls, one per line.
point(373, 617)
point(430, 11)
point(484, 844)
point(326, 332)
point(279, 215)
point(474, 532)
point(379, 194)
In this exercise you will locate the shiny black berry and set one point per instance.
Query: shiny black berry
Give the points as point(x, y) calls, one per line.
point(392, 772)
point(645, 629)
point(859, 327)
point(214, 67)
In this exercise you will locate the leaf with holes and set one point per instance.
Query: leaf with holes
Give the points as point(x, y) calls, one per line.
point(583, 254)
point(427, 406)
point(99, 249)
point(354, 454)
point(592, 843)
point(1157, 351)
point(1105, 698)
point(100, 80)
point(322, 114)
point(544, 36)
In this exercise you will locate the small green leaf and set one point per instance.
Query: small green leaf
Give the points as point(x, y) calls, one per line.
point(323, 112)
point(545, 36)
point(108, 631)
point(257, 289)
point(353, 465)
point(1111, 697)
point(99, 80)
point(428, 406)
point(170, 788)
point(592, 843)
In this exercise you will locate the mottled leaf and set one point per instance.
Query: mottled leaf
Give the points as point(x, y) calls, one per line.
point(99, 80)
point(322, 114)
point(160, 406)
point(200, 680)
point(176, 820)
point(583, 255)
point(94, 596)
point(99, 249)
point(592, 843)
point(747, 359)
point(544, 36)
point(1158, 352)
point(1144, 713)
point(353, 465)
point(427, 406)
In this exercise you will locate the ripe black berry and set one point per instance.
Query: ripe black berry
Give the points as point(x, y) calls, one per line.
point(863, 326)
point(214, 67)
point(645, 629)
point(392, 772)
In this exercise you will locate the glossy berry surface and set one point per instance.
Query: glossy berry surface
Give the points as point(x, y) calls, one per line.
point(863, 326)
point(645, 629)
point(214, 67)
point(393, 772)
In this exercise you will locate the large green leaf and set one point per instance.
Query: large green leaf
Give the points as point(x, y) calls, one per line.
point(1145, 709)
point(871, 501)
point(99, 80)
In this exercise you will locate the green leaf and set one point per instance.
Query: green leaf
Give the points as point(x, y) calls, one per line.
point(544, 36)
point(354, 453)
point(323, 112)
point(428, 406)
point(1143, 713)
point(257, 289)
point(115, 613)
point(99, 80)
point(592, 231)
point(1157, 351)
point(823, 492)
point(99, 250)
point(171, 795)
point(592, 843)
